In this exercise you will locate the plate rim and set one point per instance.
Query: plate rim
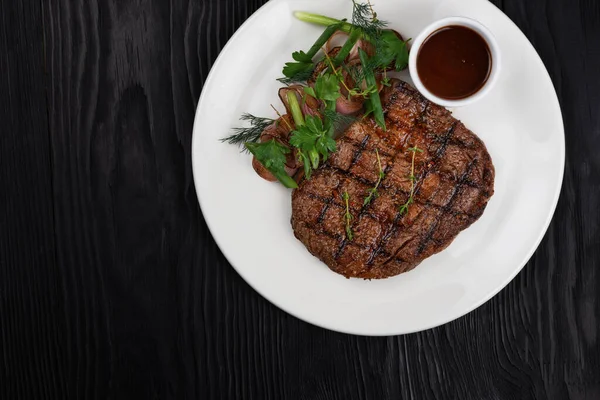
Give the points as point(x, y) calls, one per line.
point(440, 321)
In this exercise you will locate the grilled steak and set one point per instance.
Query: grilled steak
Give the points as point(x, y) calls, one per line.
point(454, 179)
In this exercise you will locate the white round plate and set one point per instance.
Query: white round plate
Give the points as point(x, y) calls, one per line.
point(519, 121)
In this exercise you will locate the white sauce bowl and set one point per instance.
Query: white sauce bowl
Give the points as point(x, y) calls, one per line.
point(484, 32)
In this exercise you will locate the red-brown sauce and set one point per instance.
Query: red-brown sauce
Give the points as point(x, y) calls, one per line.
point(454, 62)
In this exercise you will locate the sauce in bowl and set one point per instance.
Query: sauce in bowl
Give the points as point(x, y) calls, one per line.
point(454, 62)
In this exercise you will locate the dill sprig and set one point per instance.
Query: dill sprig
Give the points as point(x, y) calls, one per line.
point(372, 193)
point(413, 180)
point(366, 19)
point(388, 47)
point(348, 216)
point(338, 120)
point(251, 133)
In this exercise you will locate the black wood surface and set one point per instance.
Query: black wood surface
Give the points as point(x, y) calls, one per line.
point(112, 287)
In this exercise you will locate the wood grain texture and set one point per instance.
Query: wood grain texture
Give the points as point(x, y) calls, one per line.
point(111, 285)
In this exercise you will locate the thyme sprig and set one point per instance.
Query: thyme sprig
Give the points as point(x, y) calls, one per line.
point(372, 193)
point(348, 216)
point(413, 181)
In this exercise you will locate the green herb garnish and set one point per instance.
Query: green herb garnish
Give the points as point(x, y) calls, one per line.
point(372, 193)
point(355, 34)
point(323, 20)
point(302, 67)
point(388, 47)
point(413, 180)
point(295, 109)
point(355, 91)
point(312, 141)
point(374, 101)
point(365, 18)
point(250, 134)
point(326, 88)
point(385, 81)
point(391, 51)
point(272, 155)
point(311, 137)
point(348, 216)
point(338, 120)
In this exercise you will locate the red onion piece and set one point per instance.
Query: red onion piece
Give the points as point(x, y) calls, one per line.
point(309, 105)
point(322, 66)
point(262, 171)
point(361, 44)
point(336, 40)
point(348, 107)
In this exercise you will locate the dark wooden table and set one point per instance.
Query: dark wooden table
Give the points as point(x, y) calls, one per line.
point(111, 285)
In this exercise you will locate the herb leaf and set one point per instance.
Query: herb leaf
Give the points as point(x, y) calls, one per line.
point(302, 67)
point(297, 71)
point(272, 155)
point(302, 57)
point(327, 88)
point(390, 49)
point(313, 141)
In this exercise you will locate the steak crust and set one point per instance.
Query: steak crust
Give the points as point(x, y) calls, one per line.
point(454, 181)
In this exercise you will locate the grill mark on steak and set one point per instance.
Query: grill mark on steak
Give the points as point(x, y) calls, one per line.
point(455, 181)
point(355, 158)
point(327, 204)
point(361, 214)
point(374, 217)
point(363, 209)
point(448, 206)
point(327, 201)
point(423, 174)
point(332, 235)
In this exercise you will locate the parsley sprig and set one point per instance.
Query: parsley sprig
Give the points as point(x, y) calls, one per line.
point(327, 88)
point(313, 142)
point(302, 67)
point(312, 137)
